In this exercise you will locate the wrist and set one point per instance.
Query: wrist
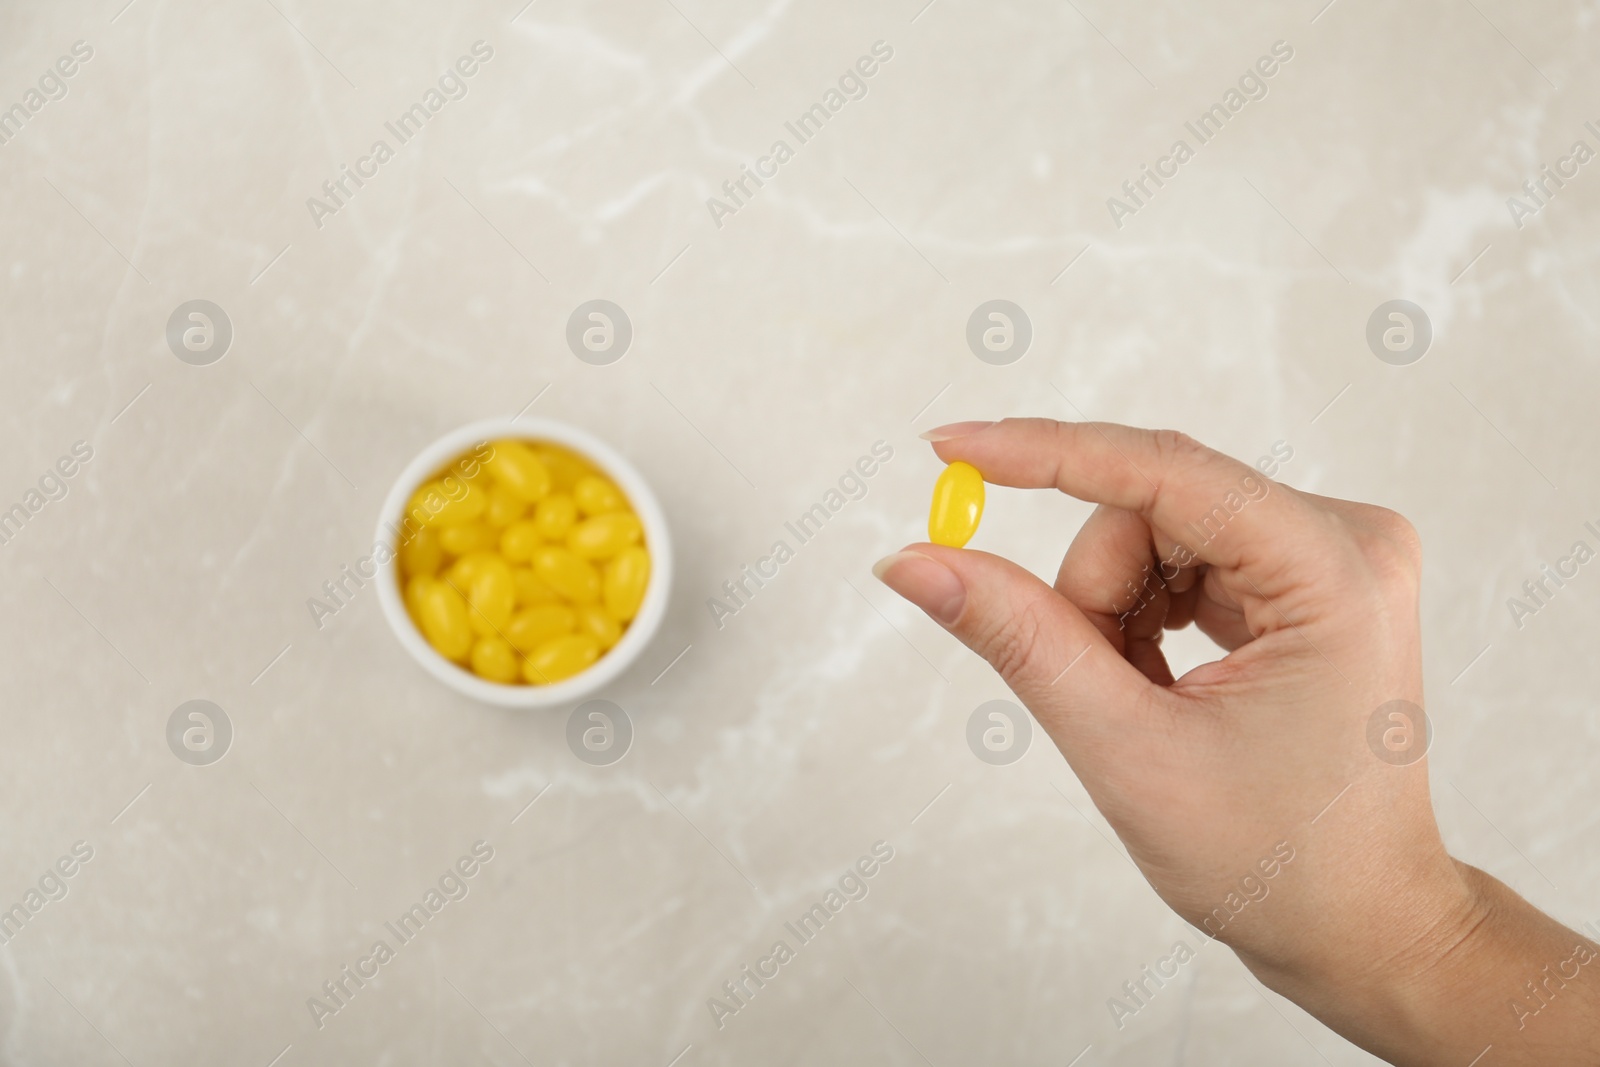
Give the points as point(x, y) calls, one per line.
point(1522, 982)
point(1425, 991)
point(1469, 965)
point(1385, 969)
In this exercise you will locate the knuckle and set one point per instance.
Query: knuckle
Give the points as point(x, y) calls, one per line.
point(1176, 448)
point(1394, 548)
point(1400, 530)
point(1391, 569)
point(1063, 434)
point(1176, 454)
point(1391, 565)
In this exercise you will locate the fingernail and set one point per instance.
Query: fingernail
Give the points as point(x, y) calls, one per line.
point(953, 430)
point(924, 581)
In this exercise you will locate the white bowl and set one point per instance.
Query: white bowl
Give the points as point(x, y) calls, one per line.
point(611, 663)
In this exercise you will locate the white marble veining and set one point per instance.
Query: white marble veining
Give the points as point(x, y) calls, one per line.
point(827, 313)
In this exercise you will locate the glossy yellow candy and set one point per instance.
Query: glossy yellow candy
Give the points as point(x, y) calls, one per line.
point(598, 623)
point(626, 578)
point(465, 537)
point(530, 590)
point(560, 658)
point(422, 553)
point(415, 588)
point(554, 516)
point(491, 595)
point(519, 540)
point(505, 507)
point(605, 535)
point(957, 505)
point(529, 570)
point(532, 627)
point(461, 573)
point(564, 465)
point(493, 658)
point(448, 501)
point(567, 573)
point(595, 495)
point(515, 466)
point(442, 617)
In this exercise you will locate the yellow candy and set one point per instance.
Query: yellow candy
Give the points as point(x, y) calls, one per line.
point(568, 574)
point(595, 495)
point(447, 501)
point(515, 467)
point(461, 573)
point(505, 507)
point(554, 516)
point(530, 590)
point(957, 505)
point(560, 658)
point(627, 576)
point(414, 590)
point(492, 658)
point(422, 554)
point(532, 627)
point(519, 540)
point(466, 537)
point(605, 535)
point(529, 569)
point(491, 595)
point(564, 465)
point(442, 617)
point(598, 623)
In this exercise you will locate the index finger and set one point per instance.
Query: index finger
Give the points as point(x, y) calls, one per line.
point(1224, 512)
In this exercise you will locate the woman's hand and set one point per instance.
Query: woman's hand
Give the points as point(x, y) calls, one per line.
point(1305, 741)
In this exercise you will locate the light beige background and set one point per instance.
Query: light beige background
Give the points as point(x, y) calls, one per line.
point(827, 314)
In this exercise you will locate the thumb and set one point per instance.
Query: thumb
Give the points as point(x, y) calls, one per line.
point(1053, 658)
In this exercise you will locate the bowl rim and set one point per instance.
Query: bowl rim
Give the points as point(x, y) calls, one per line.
point(615, 660)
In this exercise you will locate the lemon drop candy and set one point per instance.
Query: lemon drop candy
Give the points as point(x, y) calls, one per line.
point(626, 578)
point(519, 540)
point(957, 505)
point(466, 537)
point(598, 623)
point(532, 627)
point(554, 516)
point(491, 594)
point(605, 535)
point(560, 658)
point(415, 588)
point(564, 465)
point(530, 590)
point(492, 658)
point(567, 573)
point(448, 501)
point(442, 617)
point(461, 573)
point(505, 507)
point(595, 495)
point(421, 554)
point(515, 467)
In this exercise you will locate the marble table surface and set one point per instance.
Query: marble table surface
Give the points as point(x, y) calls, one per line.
point(180, 504)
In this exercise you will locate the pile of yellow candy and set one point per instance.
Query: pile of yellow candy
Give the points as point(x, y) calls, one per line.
point(522, 562)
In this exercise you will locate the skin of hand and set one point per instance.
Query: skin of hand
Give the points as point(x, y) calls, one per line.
point(1371, 925)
